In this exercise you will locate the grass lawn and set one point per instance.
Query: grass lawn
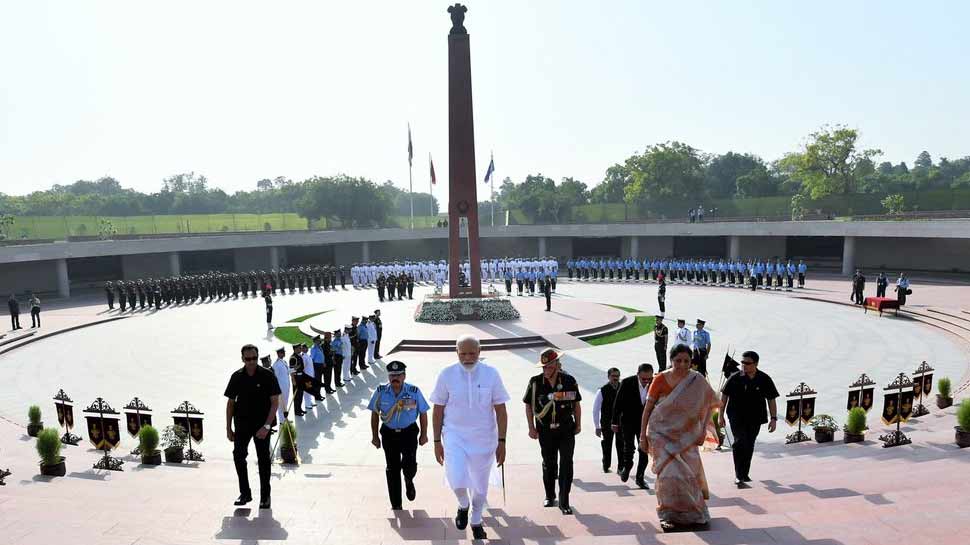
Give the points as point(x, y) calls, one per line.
point(292, 335)
point(307, 316)
point(641, 326)
point(627, 309)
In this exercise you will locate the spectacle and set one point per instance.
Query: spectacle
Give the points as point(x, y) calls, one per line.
point(254, 358)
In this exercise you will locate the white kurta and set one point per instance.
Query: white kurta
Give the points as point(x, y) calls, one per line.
point(371, 341)
point(282, 371)
point(309, 370)
point(469, 432)
point(345, 349)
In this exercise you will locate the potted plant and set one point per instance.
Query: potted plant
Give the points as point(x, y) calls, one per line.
point(720, 431)
point(288, 442)
point(943, 399)
point(35, 424)
point(49, 449)
point(148, 443)
point(174, 439)
point(855, 425)
point(824, 426)
point(963, 424)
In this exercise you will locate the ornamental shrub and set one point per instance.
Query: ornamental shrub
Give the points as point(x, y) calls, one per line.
point(148, 440)
point(943, 387)
point(33, 414)
point(49, 446)
point(855, 422)
point(963, 415)
point(288, 435)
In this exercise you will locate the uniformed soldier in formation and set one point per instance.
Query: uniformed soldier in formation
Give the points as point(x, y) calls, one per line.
point(110, 294)
point(396, 408)
point(402, 286)
point(701, 348)
point(552, 408)
point(391, 287)
point(381, 284)
point(376, 318)
point(546, 288)
point(410, 286)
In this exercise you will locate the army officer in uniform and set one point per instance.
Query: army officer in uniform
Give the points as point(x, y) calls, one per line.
point(554, 415)
point(396, 408)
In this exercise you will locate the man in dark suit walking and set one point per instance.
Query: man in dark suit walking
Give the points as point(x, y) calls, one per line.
point(627, 413)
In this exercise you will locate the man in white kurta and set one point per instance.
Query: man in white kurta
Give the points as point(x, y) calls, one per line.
point(469, 422)
point(282, 371)
point(310, 371)
point(345, 349)
point(371, 339)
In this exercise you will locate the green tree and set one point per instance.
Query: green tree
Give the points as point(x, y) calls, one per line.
point(893, 204)
point(828, 163)
point(724, 172)
point(670, 170)
point(354, 202)
point(611, 189)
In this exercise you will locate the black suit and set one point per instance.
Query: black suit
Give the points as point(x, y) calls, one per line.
point(627, 413)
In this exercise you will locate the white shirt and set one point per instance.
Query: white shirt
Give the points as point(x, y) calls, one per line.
point(597, 408)
point(282, 371)
point(308, 365)
point(643, 392)
point(371, 332)
point(468, 398)
point(684, 337)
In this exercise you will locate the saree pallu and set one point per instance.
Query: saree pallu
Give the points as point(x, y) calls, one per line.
point(679, 424)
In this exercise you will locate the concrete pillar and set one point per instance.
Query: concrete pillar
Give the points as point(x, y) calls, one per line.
point(634, 247)
point(274, 257)
point(848, 256)
point(542, 246)
point(365, 252)
point(63, 281)
point(174, 264)
point(734, 247)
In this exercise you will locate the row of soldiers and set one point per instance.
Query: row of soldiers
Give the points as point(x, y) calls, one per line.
point(395, 284)
point(431, 271)
point(154, 292)
point(707, 271)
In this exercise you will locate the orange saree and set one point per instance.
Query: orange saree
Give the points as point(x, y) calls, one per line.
point(679, 424)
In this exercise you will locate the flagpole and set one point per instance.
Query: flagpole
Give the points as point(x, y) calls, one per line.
point(492, 182)
point(411, 193)
point(431, 191)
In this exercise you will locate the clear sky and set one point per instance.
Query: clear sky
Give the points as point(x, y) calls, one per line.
point(241, 90)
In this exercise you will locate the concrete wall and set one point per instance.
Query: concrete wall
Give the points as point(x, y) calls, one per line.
point(38, 276)
point(900, 254)
point(763, 247)
point(347, 254)
point(656, 247)
point(251, 259)
point(560, 247)
point(145, 266)
point(511, 247)
point(409, 250)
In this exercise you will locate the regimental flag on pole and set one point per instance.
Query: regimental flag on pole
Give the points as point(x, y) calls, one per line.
point(890, 410)
point(927, 383)
point(791, 412)
point(135, 422)
point(808, 409)
point(193, 425)
point(410, 147)
point(853, 400)
point(868, 396)
point(95, 431)
point(433, 180)
point(491, 169)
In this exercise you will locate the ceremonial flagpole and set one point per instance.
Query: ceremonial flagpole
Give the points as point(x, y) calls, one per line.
point(492, 181)
point(431, 187)
point(410, 176)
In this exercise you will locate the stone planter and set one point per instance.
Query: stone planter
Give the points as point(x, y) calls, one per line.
point(288, 455)
point(34, 429)
point(962, 437)
point(824, 435)
point(56, 470)
point(152, 459)
point(174, 456)
point(854, 437)
point(943, 402)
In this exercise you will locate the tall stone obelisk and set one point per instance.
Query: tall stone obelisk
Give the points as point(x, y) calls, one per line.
point(462, 191)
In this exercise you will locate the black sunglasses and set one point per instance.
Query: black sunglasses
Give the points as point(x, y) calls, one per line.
point(254, 358)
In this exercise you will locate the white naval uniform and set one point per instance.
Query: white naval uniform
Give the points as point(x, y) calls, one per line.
point(684, 337)
point(470, 433)
point(282, 371)
point(345, 350)
point(371, 341)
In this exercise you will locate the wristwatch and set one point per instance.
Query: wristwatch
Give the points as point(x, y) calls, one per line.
point(267, 427)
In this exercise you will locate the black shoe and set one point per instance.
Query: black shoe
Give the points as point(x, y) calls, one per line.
point(478, 532)
point(409, 490)
point(606, 469)
point(625, 474)
point(299, 413)
point(566, 510)
point(332, 391)
point(264, 503)
point(461, 520)
point(642, 483)
point(319, 398)
point(243, 499)
point(746, 479)
point(396, 508)
point(340, 385)
point(741, 484)
point(548, 502)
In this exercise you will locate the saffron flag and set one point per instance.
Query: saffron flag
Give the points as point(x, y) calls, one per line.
point(410, 147)
point(432, 169)
point(491, 169)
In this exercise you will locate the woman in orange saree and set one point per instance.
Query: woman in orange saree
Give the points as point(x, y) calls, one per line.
point(676, 421)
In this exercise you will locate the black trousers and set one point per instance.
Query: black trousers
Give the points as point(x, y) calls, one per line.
point(631, 441)
point(801, 280)
point(240, 450)
point(661, 304)
point(14, 321)
point(857, 296)
point(111, 302)
point(700, 361)
point(609, 442)
point(508, 286)
point(661, 351)
point(338, 369)
point(377, 344)
point(548, 299)
point(400, 455)
point(361, 352)
point(35, 317)
point(269, 315)
point(557, 447)
point(743, 448)
point(880, 291)
point(328, 374)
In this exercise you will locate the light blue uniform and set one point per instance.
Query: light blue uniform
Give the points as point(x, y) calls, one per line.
point(410, 402)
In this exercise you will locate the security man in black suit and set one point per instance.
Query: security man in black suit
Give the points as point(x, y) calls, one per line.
point(545, 287)
point(555, 418)
point(380, 333)
point(627, 413)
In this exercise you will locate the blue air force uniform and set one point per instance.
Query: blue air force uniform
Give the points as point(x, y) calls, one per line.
point(398, 414)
